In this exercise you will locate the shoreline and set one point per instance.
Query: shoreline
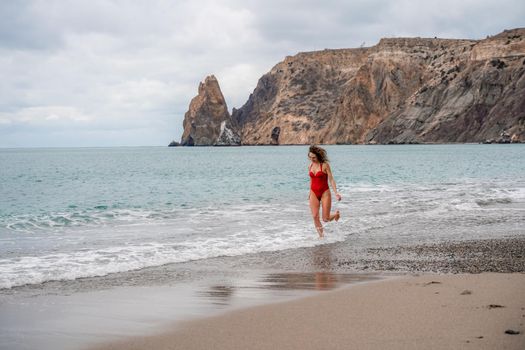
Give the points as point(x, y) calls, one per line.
point(489, 267)
point(503, 255)
point(265, 145)
point(101, 310)
point(343, 144)
point(438, 311)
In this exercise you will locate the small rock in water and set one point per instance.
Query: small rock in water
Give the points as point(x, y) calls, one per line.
point(511, 331)
point(466, 292)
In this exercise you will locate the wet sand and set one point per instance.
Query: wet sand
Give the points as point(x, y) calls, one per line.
point(65, 315)
point(431, 311)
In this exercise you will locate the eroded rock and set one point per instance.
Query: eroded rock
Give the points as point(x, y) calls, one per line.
point(207, 121)
point(400, 91)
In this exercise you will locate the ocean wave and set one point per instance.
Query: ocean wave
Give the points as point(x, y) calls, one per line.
point(100, 262)
point(97, 216)
point(491, 201)
point(115, 237)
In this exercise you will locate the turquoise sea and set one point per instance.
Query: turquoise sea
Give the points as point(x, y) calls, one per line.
point(68, 213)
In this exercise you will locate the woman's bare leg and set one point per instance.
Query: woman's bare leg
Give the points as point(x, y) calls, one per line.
point(326, 200)
point(314, 207)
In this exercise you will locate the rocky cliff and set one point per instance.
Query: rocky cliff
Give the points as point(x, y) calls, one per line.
point(473, 92)
point(403, 90)
point(207, 122)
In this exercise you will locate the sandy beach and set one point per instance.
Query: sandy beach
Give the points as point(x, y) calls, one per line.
point(446, 295)
point(429, 311)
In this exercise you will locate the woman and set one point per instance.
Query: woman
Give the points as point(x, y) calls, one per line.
point(320, 175)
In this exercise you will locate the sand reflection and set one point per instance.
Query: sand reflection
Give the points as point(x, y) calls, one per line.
point(218, 294)
point(268, 285)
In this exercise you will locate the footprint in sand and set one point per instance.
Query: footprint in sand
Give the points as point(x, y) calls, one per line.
point(431, 282)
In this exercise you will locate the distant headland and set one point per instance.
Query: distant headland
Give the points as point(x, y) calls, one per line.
point(400, 91)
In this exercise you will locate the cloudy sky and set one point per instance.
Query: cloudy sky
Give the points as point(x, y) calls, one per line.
point(122, 72)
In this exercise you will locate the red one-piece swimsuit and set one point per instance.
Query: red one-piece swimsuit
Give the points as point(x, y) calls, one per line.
point(318, 182)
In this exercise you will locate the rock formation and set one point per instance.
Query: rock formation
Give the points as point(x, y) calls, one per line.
point(474, 92)
point(207, 122)
point(402, 90)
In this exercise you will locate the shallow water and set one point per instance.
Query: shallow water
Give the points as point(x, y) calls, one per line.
point(83, 212)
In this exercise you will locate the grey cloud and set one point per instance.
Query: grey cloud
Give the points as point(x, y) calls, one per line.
point(318, 24)
point(21, 29)
point(131, 67)
point(323, 24)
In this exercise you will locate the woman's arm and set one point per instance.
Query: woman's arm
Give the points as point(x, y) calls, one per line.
point(332, 181)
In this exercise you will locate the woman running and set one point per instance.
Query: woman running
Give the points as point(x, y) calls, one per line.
point(320, 175)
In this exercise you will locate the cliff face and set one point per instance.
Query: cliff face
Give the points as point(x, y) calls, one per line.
point(403, 90)
point(399, 91)
point(474, 92)
point(207, 122)
point(296, 101)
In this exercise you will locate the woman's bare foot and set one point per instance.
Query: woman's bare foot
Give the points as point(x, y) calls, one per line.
point(320, 232)
point(337, 215)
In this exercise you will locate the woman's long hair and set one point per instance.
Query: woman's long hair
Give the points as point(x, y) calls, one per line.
point(320, 153)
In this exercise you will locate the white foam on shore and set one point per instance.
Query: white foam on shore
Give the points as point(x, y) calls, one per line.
point(249, 236)
point(130, 239)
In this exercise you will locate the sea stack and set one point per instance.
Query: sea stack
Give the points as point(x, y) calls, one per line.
point(207, 121)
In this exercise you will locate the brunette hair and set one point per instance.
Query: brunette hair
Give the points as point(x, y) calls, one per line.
point(319, 152)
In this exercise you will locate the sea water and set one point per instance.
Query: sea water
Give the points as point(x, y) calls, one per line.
point(68, 213)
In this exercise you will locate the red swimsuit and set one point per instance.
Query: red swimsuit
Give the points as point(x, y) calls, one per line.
point(319, 182)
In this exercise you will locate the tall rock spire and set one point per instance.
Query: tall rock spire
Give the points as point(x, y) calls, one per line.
point(207, 121)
